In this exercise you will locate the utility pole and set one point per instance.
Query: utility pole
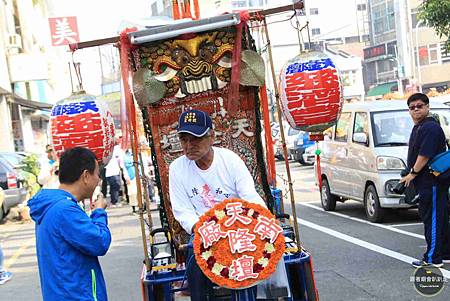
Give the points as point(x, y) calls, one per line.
point(419, 73)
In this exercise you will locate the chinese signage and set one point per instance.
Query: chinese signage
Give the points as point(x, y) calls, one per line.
point(239, 243)
point(63, 30)
point(374, 51)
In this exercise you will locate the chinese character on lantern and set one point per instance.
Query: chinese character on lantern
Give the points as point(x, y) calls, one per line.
point(311, 92)
point(83, 121)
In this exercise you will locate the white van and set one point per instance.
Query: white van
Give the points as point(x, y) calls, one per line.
point(366, 153)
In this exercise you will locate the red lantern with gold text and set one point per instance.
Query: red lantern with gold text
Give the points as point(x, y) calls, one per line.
point(311, 92)
point(82, 120)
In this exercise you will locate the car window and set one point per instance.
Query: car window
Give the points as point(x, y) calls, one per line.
point(391, 128)
point(444, 120)
point(13, 159)
point(361, 123)
point(342, 127)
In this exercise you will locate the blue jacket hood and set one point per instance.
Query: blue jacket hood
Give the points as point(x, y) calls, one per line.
point(44, 200)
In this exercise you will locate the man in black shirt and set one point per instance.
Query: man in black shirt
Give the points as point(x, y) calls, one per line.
point(426, 141)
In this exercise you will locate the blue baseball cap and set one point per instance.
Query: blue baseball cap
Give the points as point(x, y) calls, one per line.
point(194, 122)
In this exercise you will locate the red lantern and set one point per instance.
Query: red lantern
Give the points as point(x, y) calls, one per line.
point(82, 120)
point(311, 92)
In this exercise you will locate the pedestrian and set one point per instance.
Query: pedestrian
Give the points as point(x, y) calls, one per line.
point(131, 183)
point(68, 241)
point(112, 173)
point(4, 274)
point(427, 140)
point(203, 177)
point(48, 174)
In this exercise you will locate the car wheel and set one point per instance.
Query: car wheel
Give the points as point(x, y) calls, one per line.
point(327, 199)
point(374, 212)
point(1, 213)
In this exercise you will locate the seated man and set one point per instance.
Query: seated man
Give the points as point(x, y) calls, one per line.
point(201, 178)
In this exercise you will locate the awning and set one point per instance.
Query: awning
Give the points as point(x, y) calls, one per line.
point(30, 103)
point(381, 89)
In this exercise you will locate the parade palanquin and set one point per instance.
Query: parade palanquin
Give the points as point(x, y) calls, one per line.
point(213, 65)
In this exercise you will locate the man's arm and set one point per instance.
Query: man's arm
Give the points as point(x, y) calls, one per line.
point(90, 235)
point(421, 162)
point(183, 210)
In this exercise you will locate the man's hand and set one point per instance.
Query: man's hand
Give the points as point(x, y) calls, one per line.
point(407, 179)
point(100, 203)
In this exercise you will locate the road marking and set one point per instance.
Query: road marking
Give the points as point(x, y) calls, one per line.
point(405, 225)
point(390, 228)
point(18, 253)
point(365, 244)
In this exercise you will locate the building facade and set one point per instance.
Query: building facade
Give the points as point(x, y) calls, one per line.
point(23, 76)
point(403, 55)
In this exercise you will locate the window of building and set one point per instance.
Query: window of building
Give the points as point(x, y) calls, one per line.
point(433, 52)
point(342, 126)
point(383, 17)
point(315, 31)
point(415, 18)
point(390, 15)
point(354, 39)
point(313, 11)
point(239, 3)
point(445, 53)
point(391, 48)
point(371, 73)
point(348, 78)
point(423, 56)
point(361, 7)
point(385, 66)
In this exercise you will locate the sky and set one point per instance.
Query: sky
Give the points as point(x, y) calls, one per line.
point(101, 18)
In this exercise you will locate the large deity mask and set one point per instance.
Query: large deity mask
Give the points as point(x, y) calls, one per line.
point(187, 65)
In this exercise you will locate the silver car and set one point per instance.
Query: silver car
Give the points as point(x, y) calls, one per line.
point(366, 153)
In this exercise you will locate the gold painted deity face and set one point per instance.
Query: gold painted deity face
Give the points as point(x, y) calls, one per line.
point(191, 64)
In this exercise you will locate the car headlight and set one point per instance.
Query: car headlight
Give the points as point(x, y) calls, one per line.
point(390, 163)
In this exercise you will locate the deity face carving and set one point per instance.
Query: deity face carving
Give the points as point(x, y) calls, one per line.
point(191, 64)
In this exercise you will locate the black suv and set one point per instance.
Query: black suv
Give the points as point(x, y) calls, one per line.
point(12, 185)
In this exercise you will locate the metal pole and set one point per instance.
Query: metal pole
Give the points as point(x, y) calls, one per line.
point(399, 80)
point(419, 73)
point(280, 121)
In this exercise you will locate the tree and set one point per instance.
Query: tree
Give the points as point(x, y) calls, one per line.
point(436, 14)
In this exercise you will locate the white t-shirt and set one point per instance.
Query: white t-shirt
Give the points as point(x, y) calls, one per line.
point(116, 162)
point(194, 191)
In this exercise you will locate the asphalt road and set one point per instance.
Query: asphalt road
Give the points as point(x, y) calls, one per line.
point(353, 259)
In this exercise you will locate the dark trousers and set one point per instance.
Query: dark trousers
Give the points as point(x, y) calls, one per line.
point(433, 211)
point(114, 187)
point(200, 286)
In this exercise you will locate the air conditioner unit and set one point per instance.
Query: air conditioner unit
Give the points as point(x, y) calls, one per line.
point(15, 41)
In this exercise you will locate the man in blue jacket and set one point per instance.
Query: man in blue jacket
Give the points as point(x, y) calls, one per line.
point(68, 241)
